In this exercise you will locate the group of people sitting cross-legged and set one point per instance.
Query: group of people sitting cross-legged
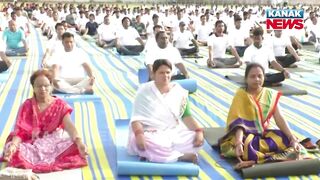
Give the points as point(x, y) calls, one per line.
point(161, 128)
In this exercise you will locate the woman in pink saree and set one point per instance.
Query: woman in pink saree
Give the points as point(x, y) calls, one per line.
point(44, 138)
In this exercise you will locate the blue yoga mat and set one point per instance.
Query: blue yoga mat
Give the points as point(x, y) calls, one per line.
point(130, 165)
point(4, 76)
point(78, 97)
point(188, 84)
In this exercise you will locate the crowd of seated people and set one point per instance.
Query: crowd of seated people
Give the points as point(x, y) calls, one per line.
point(164, 34)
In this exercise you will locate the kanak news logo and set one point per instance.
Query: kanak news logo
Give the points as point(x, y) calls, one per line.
point(284, 19)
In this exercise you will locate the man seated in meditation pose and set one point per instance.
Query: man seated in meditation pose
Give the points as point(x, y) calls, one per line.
point(280, 43)
point(249, 137)
point(106, 34)
point(182, 39)
point(71, 71)
point(218, 44)
point(54, 46)
point(39, 140)
point(165, 50)
point(263, 55)
point(161, 127)
point(14, 38)
point(128, 40)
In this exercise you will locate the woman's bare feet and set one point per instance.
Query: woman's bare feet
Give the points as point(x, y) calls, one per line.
point(189, 157)
point(244, 164)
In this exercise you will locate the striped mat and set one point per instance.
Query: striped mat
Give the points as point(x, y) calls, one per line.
point(116, 84)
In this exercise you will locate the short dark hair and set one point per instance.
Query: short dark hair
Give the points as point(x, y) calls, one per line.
point(154, 16)
point(67, 35)
point(257, 31)
point(219, 22)
point(125, 19)
point(159, 62)
point(156, 26)
point(57, 25)
point(158, 34)
point(42, 72)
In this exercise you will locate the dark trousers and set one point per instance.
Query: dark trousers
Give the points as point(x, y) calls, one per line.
point(3, 66)
point(130, 50)
point(240, 50)
point(185, 52)
point(285, 61)
point(273, 79)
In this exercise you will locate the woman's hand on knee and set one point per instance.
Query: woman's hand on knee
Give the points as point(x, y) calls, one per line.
point(82, 149)
point(9, 151)
point(198, 140)
point(140, 141)
point(239, 149)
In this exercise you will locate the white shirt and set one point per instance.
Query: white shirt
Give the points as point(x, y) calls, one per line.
point(170, 53)
point(237, 36)
point(107, 32)
point(22, 22)
point(183, 40)
point(280, 44)
point(218, 45)
point(71, 63)
point(203, 31)
point(128, 36)
point(262, 56)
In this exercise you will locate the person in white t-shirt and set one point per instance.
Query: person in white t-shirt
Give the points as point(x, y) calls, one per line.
point(239, 36)
point(71, 71)
point(106, 34)
point(53, 46)
point(151, 42)
point(164, 50)
point(128, 40)
point(218, 44)
point(203, 30)
point(280, 43)
point(182, 40)
point(263, 55)
point(22, 21)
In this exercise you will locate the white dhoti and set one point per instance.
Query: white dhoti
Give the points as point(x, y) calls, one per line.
point(73, 85)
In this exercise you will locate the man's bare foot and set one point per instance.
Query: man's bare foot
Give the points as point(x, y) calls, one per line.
point(293, 66)
point(88, 90)
point(189, 157)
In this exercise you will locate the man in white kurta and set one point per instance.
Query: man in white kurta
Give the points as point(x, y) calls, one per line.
point(71, 71)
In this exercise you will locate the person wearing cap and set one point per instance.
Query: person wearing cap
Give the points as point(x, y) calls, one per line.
point(239, 36)
point(182, 40)
point(218, 44)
